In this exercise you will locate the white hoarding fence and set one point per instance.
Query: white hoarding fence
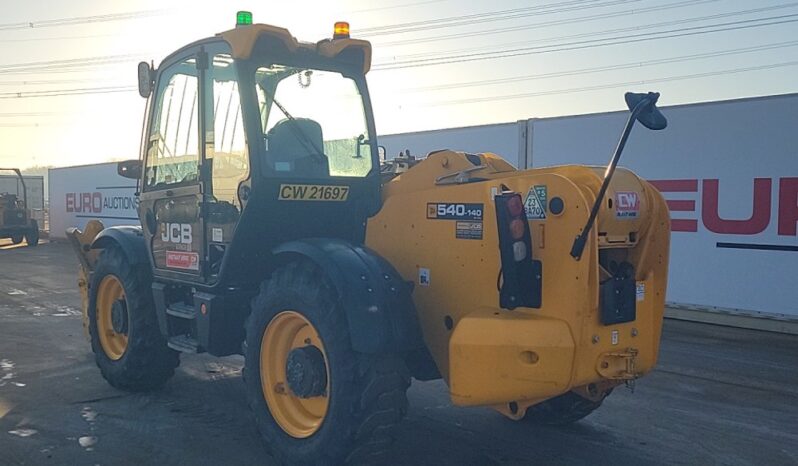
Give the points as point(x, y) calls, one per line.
point(729, 171)
point(501, 139)
point(80, 194)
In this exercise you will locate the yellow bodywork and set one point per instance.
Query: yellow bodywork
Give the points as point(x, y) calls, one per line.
point(81, 244)
point(493, 356)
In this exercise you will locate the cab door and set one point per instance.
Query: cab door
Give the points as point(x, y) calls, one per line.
point(171, 195)
point(226, 156)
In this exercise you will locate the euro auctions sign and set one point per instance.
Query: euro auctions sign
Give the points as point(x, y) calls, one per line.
point(104, 202)
point(83, 193)
point(771, 205)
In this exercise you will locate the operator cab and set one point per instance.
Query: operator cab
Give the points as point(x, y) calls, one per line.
point(255, 136)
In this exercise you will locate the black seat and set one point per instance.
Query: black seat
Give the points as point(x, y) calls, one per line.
point(296, 147)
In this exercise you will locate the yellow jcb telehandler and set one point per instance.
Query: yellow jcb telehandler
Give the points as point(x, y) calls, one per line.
point(269, 228)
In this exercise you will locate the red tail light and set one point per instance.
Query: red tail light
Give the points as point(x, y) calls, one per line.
point(521, 276)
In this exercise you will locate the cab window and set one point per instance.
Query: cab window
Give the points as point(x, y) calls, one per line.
point(173, 142)
point(314, 123)
point(226, 147)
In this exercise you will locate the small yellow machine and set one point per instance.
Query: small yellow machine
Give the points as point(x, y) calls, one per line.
point(271, 229)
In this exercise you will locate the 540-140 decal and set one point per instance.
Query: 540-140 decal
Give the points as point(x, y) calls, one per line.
point(454, 211)
point(467, 217)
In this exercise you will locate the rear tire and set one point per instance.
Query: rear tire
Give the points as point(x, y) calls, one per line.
point(364, 395)
point(32, 236)
point(130, 352)
point(562, 410)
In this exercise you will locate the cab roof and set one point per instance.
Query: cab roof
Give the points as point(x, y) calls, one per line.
point(242, 40)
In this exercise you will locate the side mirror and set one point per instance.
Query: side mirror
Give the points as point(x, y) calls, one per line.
point(146, 79)
point(648, 115)
point(129, 169)
point(382, 152)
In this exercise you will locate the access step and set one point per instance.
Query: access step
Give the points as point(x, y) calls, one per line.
point(182, 343)
point(181, 310)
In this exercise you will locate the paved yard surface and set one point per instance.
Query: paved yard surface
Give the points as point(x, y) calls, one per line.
point(719, 396)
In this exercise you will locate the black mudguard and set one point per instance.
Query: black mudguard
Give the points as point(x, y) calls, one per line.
point(378, 302)
point(129, 238)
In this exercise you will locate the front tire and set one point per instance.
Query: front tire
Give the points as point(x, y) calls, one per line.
point(128, 346)
point(316, 401)
point(16, 239)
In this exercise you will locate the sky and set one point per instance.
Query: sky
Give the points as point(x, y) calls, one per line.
point(437, 63)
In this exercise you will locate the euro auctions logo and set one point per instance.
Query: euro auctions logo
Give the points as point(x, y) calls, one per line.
point(754, 209)
point(97, 203)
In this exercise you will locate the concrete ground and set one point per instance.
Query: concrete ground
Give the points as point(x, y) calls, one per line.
point(719, 396)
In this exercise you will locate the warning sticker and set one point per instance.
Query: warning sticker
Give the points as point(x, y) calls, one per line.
point(627, 205)
point(641, 291)
point(182, 260)
point(423, 276)
point(536, 203)
point(468, 230)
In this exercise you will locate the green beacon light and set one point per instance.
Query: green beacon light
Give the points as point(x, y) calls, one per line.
point(243, 18)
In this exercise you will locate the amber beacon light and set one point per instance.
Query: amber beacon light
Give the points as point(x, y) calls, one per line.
point(341, 30)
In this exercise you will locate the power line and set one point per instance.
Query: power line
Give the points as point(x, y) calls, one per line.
point(67, 92)
point(69, 64)
point(613, 85)
point(46, 82)
point(35, 39)
point(549, 23)
point(80, 20)
point(589, 44)
point(404, 26)
point(395, 7)
point(616, 67)
point(502, 15)
point(613, 31)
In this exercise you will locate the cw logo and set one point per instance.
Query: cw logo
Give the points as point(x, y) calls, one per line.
point(627, 201)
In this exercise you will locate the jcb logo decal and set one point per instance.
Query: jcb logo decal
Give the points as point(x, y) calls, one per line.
point(178, 233)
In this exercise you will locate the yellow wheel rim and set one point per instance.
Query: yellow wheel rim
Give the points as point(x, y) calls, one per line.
point(109, 291)
point(298, 417)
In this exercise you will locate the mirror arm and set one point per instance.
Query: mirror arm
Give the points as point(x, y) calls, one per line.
point(579, 243)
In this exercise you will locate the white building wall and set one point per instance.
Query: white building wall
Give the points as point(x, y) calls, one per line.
point(501, 139)
point(733, 249)
point(725, 144)
point(79, 194)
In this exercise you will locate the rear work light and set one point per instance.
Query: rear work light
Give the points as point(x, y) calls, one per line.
point(341, 30)
point(521, 277)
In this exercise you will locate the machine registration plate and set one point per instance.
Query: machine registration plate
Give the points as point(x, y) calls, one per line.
point(313, 192)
